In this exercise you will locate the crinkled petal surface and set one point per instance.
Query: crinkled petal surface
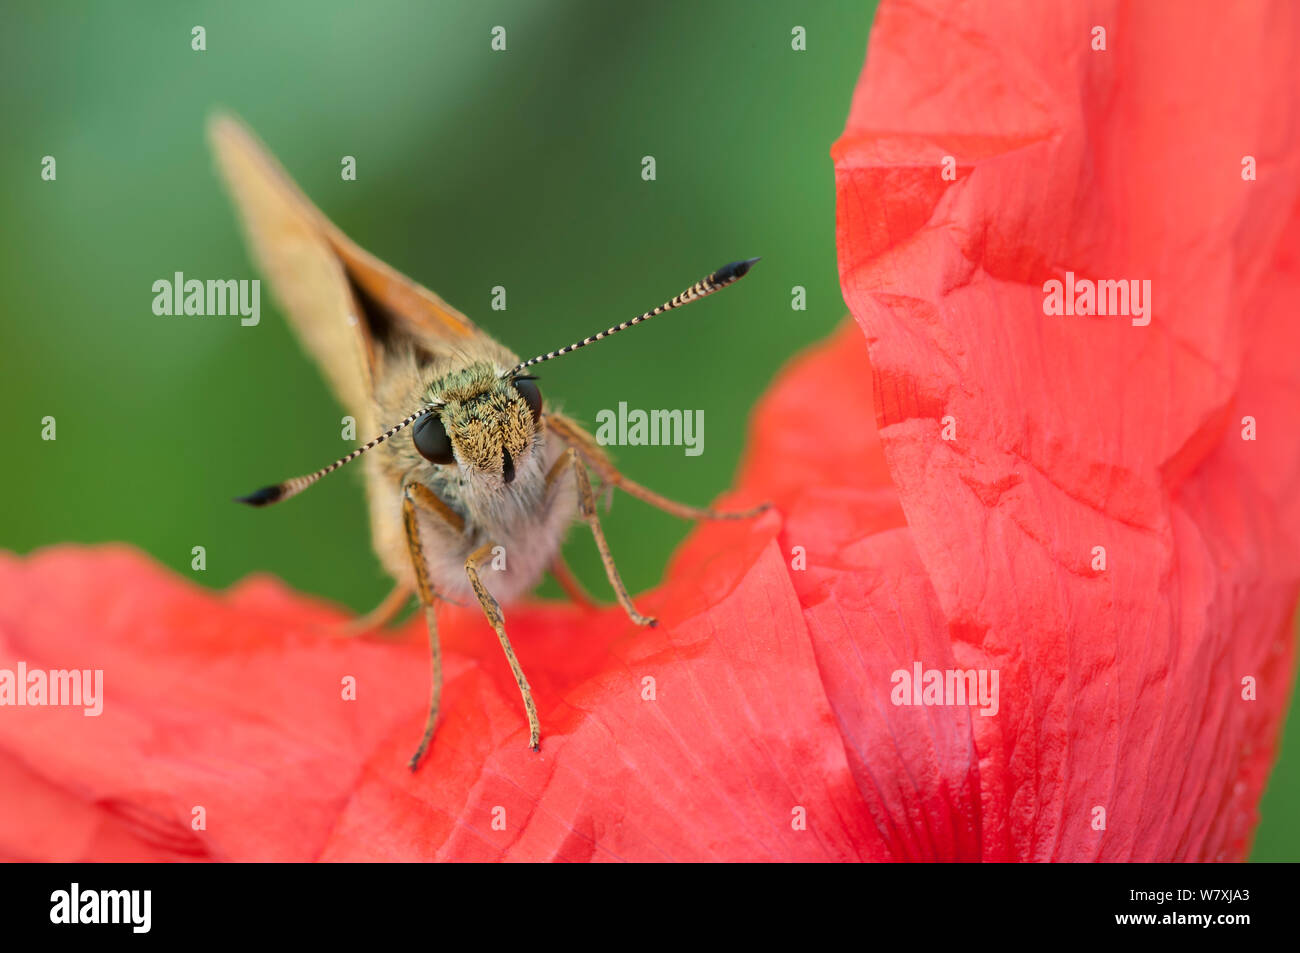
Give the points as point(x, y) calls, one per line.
point(1148, 693)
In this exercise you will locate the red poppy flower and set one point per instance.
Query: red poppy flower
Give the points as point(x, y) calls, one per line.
point(759, 720)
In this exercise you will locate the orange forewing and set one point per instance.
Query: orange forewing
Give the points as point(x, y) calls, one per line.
point(315, 271)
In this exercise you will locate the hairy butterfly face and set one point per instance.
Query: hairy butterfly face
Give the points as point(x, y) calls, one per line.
point(480, 422)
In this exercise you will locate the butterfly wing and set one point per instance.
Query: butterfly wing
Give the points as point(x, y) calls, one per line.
point(346, 305)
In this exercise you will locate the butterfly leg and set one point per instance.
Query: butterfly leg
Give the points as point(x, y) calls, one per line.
point(562, 574)
point(417, 496)
point(381, 615)
point(492, 609)
point(585, 444)
point(572, 459)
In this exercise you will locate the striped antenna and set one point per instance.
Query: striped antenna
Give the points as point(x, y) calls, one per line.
point(726, 275)
point(282, 491)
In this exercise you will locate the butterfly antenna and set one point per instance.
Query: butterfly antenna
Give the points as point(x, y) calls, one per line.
point(282, 491)
point(726, 275)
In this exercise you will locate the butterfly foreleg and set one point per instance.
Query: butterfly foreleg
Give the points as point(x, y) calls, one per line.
point(571, 459)
point(415, 497)
point(492, 609)
point(562, 574)
point(381, 615)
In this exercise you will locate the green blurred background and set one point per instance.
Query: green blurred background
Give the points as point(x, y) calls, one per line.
point(475, 168)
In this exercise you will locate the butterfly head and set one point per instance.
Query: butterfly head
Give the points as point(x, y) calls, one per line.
point(480, 421)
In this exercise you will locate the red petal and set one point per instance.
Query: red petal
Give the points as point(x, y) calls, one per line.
point(234, 705)
point(1121, 689)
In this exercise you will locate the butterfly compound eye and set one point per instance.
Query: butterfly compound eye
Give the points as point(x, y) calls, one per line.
point(431, 439)
point(531, 394)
